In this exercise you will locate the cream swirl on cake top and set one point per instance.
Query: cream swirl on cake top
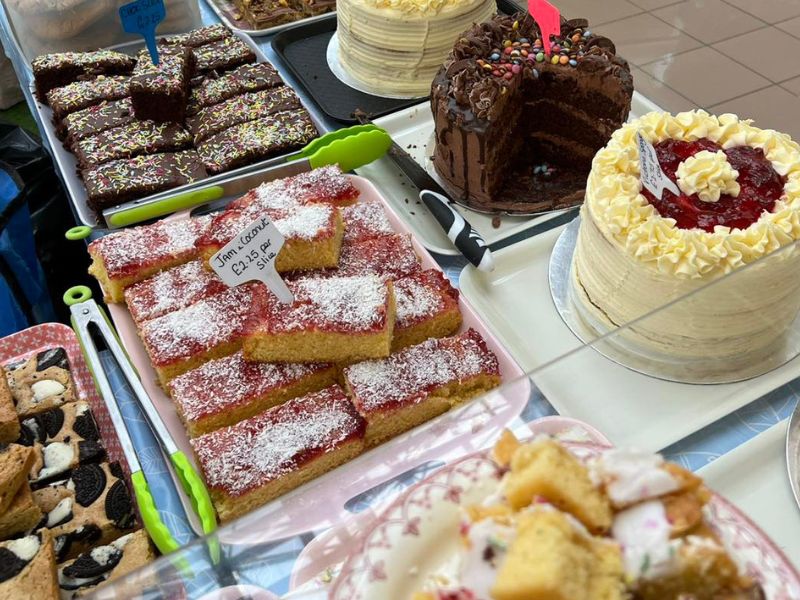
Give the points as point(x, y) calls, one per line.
point(423, 7)
point(614, 197)
point(709, 175)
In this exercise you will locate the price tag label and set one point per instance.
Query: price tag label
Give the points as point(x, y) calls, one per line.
point(653, 177)
point(142, 17)
point(548, 18)
point(250, 256)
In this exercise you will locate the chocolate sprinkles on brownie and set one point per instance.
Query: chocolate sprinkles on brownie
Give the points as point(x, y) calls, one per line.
point(223, 55)
point(257, 140)
point(241, 109)
point(52, 71)
point(161, 92)
point(248, 78)
point(95, 119)
point(119, 181)
point(131, 140)
point(81, 94)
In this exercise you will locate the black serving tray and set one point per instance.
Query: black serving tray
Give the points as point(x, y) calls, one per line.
point(303, 49)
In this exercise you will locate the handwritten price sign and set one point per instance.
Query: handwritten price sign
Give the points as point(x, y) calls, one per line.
point(142, 17)
point(250, 256)
point(653, 177)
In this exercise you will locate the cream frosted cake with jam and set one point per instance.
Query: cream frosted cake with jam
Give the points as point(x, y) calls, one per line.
point(395, 47)
point(739, 202)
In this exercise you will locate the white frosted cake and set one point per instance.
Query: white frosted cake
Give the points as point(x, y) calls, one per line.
point(739, 202)
point(395, 47)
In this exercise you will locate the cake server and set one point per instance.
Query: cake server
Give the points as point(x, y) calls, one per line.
point(350, 148)
point(85, 314)
point(458, 230)
point(793, 453)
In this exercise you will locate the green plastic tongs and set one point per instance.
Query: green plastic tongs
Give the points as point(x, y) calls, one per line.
point(86, 313)
point(350, 148)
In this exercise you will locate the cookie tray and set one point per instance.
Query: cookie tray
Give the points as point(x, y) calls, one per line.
point(224, 10)
point(68, 165)
point(384, 462)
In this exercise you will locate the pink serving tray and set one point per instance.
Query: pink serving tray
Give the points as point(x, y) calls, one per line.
point(35, 339)
point(321, 503)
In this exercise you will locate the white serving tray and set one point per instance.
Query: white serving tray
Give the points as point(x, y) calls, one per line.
point(630, 408)
point(412, 129)
point(754, 477)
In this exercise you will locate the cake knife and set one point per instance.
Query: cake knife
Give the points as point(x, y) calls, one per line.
point(458, 230)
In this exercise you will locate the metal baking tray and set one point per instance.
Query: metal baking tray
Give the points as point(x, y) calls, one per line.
point(225, 10)
point(303, 49)
point(68, 165)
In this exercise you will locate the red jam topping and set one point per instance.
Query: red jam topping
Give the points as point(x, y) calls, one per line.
point(761, 186)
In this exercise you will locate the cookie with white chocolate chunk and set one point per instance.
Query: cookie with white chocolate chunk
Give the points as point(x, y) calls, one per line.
point(40, 382)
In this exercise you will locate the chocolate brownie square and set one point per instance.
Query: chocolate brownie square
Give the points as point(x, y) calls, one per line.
point(223, 55)
point(51, 71)
point(95, 119)
point(247, 78)
point(82, 94)
point(131, 140)
point(257, 140)
point(160, 92)
point(241, 109)
point(198, 37)
point(119, 181)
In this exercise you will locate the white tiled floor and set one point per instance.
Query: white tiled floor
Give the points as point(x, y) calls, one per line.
point(738, 56)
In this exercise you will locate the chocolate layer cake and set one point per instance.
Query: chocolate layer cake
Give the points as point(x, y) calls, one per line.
point(516, 130)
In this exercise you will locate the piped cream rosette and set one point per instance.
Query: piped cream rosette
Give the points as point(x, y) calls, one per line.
point(629, 260)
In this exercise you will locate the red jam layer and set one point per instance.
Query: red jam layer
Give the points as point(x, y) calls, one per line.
point(277, 442)
point(423, 296)
point(761, 186)
point(413, 374)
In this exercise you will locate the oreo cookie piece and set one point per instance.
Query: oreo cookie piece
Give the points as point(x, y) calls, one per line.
point(11, 565)
point(86, 535)
point(119, 507)
point(86, 427)
point(55, 357)
point(95, 563)
point(90, 482)
point(30, 432)
point(90, 451)
point(51, 421)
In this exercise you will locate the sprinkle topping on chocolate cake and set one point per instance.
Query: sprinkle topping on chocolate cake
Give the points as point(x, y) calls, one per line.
point(516, 130)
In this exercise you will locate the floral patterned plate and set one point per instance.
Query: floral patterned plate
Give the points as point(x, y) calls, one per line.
point(414, 536)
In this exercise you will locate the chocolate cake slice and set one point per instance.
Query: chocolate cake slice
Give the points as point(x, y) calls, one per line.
point(516, 130)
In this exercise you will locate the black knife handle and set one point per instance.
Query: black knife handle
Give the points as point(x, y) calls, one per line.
point(468, 241)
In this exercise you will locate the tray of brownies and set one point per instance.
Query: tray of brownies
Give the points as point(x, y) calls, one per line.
point(123, 129)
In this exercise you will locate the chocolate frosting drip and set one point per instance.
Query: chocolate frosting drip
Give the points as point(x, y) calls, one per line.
point(475, 87)
point(517, 135)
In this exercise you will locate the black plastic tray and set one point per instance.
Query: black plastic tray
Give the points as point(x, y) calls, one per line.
point(303, 49)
